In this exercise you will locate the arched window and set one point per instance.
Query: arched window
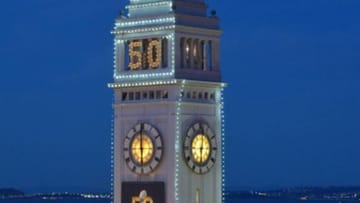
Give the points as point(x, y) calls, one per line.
point(126, 56)
point(188, 53)
point(209, 55)
point(164, 52)
point(195, 52)
point(182, 52)
point(188, 95)
point(193, 95)
point(203, 55)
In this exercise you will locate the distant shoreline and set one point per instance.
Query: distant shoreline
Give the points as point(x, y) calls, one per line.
point(301, 193)
point(298, 193)
point(11, 193)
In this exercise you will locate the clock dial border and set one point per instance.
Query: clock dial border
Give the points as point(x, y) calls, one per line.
point(153, 134)
point(196, 129)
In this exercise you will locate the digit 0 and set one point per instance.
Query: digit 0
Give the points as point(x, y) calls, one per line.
point(154, 54)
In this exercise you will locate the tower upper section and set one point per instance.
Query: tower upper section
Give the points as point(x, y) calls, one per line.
point(185, 11)
point(167, 39)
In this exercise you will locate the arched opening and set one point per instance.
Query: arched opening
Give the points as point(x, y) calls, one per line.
point(182, 52)
point(164, 53)
point(188, 53)
point(209, 56)
point(203, 55)
point(195, 52)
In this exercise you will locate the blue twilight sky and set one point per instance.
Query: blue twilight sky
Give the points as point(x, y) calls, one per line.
point(292, 105)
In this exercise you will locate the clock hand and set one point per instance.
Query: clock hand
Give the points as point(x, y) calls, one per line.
point(202, 144)
point(141, 145)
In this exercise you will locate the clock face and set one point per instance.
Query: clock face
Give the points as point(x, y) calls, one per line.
point(143, 148)
point(200, 148)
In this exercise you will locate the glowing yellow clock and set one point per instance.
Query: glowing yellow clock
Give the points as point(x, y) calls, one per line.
point(143, 148)
point(200, 148)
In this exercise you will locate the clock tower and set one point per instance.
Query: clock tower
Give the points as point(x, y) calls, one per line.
point(168, 140)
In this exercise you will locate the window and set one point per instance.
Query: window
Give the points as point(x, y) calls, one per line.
point(145, 95)
point(158, 94)
point(137, 95)
point(194, 95)
point(203, 55)
point(209, 55)
point(126, 57)
point(212, 96)
point(164, 52)
point(188, 52)
point(151, 95)
point(124, 96)
point(131, 96)
point(165, 94)
point(197, 196)
point(196, 53)
point(182, 52)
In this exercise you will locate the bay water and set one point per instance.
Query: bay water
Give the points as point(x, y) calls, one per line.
point(229, 200)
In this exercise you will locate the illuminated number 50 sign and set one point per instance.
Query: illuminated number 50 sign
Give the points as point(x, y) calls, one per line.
point(144, 54)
